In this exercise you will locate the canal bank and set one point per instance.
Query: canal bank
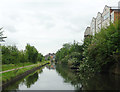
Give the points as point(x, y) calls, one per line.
point(59, 77)
point(22, 75)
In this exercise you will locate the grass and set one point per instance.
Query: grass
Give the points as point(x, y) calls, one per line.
point(4, 77)
point(9, 75)
point(13, 66)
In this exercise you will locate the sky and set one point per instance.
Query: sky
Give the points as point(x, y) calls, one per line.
point(48, 24)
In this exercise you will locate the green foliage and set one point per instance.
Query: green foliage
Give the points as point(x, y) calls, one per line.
point(31, 79)
point(70, 54)
point(1, 35)
point(23, 57)
point(48, 58)
point(102, 51)
point(11, 74)
point(11, 55)
point(13, 66)
point(98, 53)
point(40, 57)
point(31, 53)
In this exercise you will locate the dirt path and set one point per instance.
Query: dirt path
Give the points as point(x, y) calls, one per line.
point(15, 69)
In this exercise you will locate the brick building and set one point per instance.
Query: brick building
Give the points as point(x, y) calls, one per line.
point(109, 14)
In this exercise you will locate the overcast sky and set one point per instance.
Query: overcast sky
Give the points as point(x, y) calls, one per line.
point(48, 24)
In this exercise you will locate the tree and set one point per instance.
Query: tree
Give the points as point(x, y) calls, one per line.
point(1, 35)
point(102, 52)
point(10, 54)
point(40, 57)
point(22, 56)
point(70, 54)
point(32, 53)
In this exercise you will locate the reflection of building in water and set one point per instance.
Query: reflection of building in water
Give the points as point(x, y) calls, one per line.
point(51, 66)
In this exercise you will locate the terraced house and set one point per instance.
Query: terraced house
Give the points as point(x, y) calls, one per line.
point(106, 16)
point(98, 22)
point(109, 14)
point(87, 32)
point(93, 26)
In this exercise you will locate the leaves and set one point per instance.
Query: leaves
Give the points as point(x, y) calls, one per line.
point(99, 52)
point(11, 55)
point(70, 54)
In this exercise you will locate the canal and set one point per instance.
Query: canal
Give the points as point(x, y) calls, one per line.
point(58, 77)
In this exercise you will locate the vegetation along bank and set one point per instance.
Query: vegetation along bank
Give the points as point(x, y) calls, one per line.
point(16, 63)
point(98, 53)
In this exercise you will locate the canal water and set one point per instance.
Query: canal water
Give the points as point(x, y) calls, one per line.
point(58, 77)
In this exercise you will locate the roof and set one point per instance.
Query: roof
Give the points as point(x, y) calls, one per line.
point(99, 14)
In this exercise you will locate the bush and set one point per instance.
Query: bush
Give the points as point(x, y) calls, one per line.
point(103, 50)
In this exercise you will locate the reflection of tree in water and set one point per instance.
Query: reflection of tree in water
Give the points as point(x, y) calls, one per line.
point(28, 80)
point(31, 79)
point(103, 82)
point(89, 81)
point(40, 70)
point(69, 76)
point(13, 86)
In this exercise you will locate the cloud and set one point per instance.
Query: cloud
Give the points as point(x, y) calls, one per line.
point(47, 24)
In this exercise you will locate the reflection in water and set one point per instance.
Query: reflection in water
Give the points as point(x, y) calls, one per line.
point(51, 66)
point(28, 81)
point(69, 76)
point(89, 82)
point(31, 79)
point(103, 82)
point(59, 77)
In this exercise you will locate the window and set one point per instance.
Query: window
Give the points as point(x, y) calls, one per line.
point(112, 16)
point(106, 16)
